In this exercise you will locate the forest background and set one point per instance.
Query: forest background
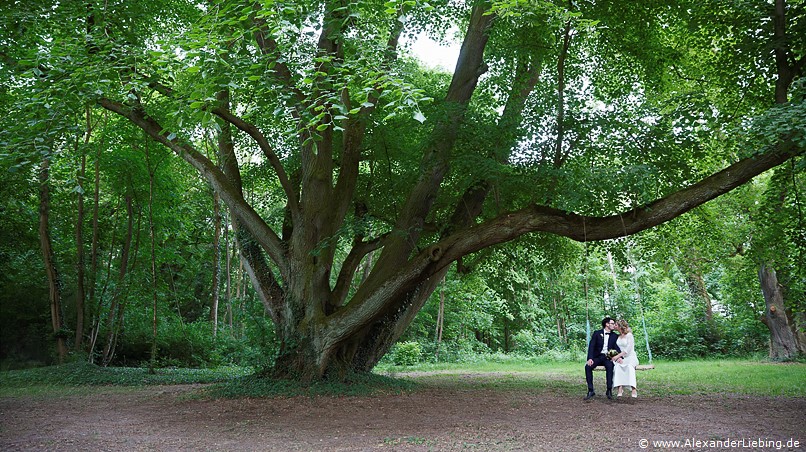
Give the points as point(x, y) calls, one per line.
point(141, 263)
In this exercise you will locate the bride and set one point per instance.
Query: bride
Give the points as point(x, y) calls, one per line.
point(626, 361)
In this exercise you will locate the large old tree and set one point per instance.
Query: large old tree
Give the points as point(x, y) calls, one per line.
point(587, 119)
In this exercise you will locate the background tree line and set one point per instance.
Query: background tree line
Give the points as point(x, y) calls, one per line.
point(695, 279)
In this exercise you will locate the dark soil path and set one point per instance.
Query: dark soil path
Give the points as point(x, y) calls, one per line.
point(168, 418)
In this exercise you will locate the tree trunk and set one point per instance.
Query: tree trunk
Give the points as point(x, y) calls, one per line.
point(153, 361)
point(229, 250)
point(54, 281)
point(93, 273)
point(116, 306)
point(216, 261)
point(799, 330)
point(440, 318)
point(558, 315)
point(783, 343)
point(98, 305)
point(80, 276)
point(698, 291)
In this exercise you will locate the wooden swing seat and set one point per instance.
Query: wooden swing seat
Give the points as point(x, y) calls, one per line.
point(640, 367)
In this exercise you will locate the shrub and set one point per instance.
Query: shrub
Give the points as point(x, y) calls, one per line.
point(527, 343)
point(407, 353)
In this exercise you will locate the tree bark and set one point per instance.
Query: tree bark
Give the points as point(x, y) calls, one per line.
point(54, 281)
point(116, 306)
point(696, 286)
point(691, 264)
point(440, 317)
point(93, 272)
point(783, 342)
point(152, 239)
point(229, 250)
point(80, 274)
point(216, 262)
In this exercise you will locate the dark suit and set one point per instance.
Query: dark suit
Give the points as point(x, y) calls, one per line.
point(599, 358)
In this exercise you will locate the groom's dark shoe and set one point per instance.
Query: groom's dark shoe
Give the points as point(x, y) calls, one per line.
point(590, 395)
point(610, 394)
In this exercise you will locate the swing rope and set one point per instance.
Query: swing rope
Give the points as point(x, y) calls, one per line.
point(637, 290)
point(585, 271)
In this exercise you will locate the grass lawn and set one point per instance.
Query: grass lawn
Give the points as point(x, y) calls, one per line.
point(726, 376)
point(722, 376)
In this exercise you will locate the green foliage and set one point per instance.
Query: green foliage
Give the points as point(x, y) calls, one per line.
point(406, 353)
point(81, 373)
point(182, 344)
point(527, 342)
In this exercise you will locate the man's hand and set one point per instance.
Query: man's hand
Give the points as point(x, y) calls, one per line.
point(590, 362)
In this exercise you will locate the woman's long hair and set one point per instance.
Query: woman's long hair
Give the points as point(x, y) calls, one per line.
point(623, 327)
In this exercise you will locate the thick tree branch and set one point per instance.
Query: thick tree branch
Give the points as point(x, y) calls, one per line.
point(268, 46)
point(223, 112)
point(349, 267)
point(584, 228)
point(253, 258)
point(558, 151)
point(472, 200)
point(238, 206)
point(251, 130)
point(353, 135)
point(535, 218)
point(269, 291)
point(786, 66)
point(434, 165)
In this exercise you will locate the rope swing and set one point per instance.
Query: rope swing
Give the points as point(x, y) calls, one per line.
point(638, 296)
point(585, 272)
point(634, 266)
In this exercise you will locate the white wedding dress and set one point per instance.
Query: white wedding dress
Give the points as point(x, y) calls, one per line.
point(624, 373)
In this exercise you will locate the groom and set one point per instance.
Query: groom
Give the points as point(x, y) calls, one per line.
point(601, 341)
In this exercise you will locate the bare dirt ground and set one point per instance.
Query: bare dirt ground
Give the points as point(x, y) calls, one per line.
point(431, 418)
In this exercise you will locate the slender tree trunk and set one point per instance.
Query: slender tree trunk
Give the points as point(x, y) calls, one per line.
point(783, 343)
point(153, 361)
point(228, 249)
point(93, 273)
point(97, 312)
point(80, 291)
point(506, 335)
point(612, 272)
point(116, 306)
point(696, 286)
point(54, 282)
point(440, 317)
point(558, 316)
point(80, 276)
point(216, 261)
point(799, 330)
point(240, 284)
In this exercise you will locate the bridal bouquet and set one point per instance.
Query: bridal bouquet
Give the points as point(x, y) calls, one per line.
point(611, 353)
